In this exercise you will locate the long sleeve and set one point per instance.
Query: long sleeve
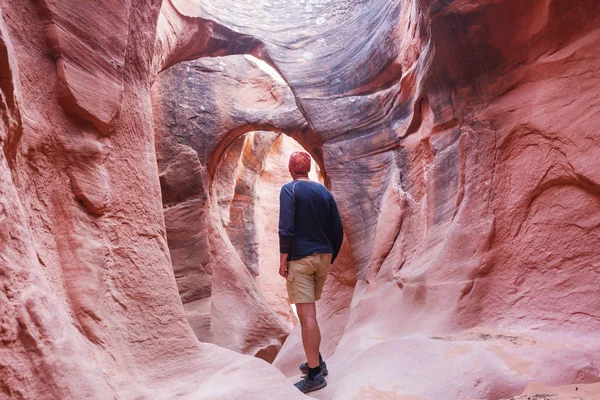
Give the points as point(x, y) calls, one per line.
point(287, 210)
point(337, 230)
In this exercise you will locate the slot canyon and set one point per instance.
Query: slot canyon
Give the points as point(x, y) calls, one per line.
point(144, 145)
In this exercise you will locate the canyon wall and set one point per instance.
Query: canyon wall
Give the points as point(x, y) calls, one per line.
point(89, 306)
point(459, 138)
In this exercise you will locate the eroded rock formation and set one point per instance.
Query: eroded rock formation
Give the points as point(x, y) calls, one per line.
point(89, 306)
point(459, 138)
point(201, 109)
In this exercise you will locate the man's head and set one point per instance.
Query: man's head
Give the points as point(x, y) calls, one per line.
point(299, 165)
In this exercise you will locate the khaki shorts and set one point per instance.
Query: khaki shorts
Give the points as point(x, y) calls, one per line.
point(306, 277)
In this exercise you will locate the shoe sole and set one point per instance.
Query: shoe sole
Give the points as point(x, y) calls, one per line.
point(312, 389)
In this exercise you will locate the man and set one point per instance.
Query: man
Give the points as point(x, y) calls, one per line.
point(310, 237)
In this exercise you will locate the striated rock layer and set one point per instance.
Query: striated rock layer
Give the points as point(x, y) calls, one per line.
point(89, 307)
point(459, 138)
point(249, 208)
point(208, 175)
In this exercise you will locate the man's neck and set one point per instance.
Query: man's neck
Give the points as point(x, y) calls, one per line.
point(296, 176)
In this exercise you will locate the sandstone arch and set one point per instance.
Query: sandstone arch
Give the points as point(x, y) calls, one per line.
point(200, 108)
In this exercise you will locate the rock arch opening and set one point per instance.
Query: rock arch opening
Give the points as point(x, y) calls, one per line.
point(247, 183)
point(222, 156)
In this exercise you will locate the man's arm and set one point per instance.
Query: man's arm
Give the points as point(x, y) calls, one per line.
point(287, 210)
point(283, 268)
point(337, 230)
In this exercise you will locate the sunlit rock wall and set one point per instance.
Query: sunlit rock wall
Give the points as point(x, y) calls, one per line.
point(247, 185)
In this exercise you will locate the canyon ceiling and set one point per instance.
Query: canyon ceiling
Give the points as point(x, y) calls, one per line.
point(459, 137)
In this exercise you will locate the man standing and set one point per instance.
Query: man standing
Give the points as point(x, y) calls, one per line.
point(310, 237)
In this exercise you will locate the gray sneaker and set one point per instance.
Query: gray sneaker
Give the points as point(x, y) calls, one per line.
point(309, 385)
point(304, 368)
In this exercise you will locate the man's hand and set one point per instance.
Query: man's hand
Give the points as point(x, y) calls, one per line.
point(283, 265)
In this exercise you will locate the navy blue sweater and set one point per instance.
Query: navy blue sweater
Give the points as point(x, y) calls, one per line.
point(309, 220)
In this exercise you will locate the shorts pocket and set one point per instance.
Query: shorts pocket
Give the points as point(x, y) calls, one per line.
point(290, 277)
point(302, 266)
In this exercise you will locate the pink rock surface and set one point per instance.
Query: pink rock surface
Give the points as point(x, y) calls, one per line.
point(459, 138)
point(273, 176)
point(89, 306)
point(208, 178)
point(90, 61)
point(249, 209)
point(569, 392)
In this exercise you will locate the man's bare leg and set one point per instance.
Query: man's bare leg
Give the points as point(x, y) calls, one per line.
point(311, 334)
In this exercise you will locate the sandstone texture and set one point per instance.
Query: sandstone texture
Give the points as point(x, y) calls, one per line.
point(139, 140)
point(209, 174)
point(89, 306)
point(458, 138)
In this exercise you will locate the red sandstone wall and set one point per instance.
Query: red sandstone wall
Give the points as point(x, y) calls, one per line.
point(458, 137)
point(201, 109)
point(89, 306)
